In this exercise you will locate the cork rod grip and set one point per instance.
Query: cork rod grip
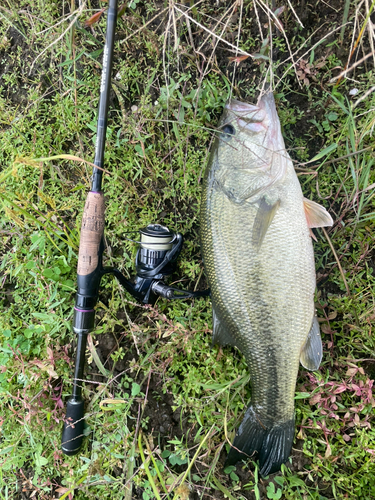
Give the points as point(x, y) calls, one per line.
point(91, 233)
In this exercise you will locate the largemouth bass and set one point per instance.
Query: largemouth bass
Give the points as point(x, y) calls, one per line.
point(258, 256)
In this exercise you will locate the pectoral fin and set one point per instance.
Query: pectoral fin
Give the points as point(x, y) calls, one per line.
point(262, 222)
point(312, 350)
point(220, 334)
point(316, 215)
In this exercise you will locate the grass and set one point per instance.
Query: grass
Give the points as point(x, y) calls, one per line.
point(159, 424)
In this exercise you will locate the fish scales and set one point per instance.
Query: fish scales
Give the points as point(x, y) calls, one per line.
point(259, 262)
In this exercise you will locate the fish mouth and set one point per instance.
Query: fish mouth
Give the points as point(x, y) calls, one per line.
point(241, 108)
point(247, 116)
point(246, 113)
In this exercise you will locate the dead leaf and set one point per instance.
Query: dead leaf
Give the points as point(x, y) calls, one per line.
point(238, 59)
point(62, 490)
point(351, 372)
point(45, 367)
point(121, 10)
point(301, 434)
point(315, 399)
point(95, 18)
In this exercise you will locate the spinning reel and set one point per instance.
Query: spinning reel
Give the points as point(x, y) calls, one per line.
point(156, 259)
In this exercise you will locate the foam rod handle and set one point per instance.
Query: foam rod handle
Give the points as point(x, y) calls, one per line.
point(91, 233)
point(72, 435)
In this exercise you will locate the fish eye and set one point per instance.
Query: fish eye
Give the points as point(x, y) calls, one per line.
point(228, 129)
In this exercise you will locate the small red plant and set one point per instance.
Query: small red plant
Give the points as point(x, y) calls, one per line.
point(328, 393)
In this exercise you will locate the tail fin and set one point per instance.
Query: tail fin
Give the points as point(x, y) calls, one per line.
point(273, 444)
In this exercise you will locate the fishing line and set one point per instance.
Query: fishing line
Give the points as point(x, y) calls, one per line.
point(270, 65)
point(166, 70)
point(173, 240)
point(237, 49)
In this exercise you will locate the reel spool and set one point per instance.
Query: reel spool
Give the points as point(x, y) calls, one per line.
point(155, 242)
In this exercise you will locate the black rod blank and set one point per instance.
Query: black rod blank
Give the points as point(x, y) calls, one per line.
point(105, 88)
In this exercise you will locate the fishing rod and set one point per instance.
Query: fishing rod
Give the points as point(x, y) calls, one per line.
point(156, 258)
point(91, 246)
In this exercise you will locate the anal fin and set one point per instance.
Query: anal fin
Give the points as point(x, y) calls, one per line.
point(220, 334)
point(312, 350)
